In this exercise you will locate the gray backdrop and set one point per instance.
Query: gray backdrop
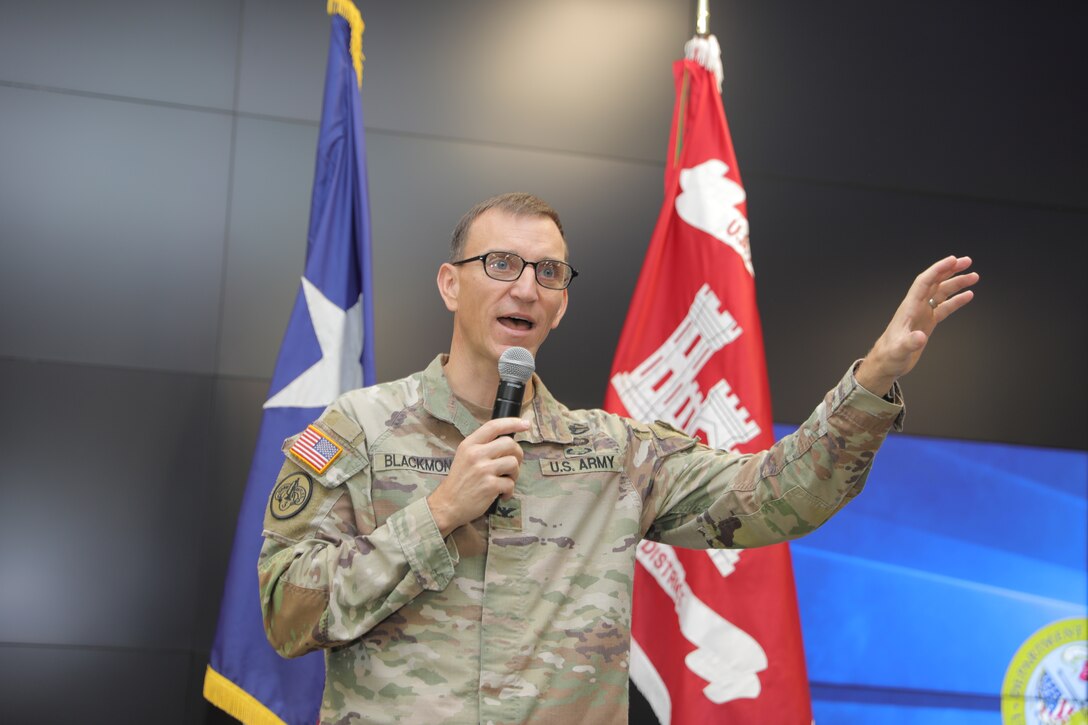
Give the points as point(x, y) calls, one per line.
point(155, 170)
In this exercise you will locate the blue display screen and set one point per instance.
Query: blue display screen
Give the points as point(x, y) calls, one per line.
point(915, 598)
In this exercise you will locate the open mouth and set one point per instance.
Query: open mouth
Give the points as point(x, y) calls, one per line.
point(516, 323)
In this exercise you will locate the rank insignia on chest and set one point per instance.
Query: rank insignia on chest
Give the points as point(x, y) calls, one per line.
point(315, 449)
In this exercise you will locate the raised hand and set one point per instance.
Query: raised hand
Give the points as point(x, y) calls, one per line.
point(935, 294)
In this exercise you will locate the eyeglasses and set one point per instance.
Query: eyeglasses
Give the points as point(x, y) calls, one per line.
point(507, 267)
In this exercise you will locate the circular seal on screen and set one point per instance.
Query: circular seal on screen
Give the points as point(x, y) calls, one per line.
point(291, 495)
point(1047, 680)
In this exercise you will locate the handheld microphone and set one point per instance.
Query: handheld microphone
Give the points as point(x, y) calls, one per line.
point(516, 366)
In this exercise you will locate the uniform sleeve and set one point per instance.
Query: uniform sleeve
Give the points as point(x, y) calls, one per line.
point(703, 498)
point(327, 574)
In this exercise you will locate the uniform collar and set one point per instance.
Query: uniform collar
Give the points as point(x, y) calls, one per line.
point(546, 423)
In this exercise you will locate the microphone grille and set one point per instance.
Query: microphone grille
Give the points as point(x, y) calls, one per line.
point(516, 365)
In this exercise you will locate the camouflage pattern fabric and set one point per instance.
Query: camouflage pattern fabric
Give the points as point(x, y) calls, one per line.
point(522, 616)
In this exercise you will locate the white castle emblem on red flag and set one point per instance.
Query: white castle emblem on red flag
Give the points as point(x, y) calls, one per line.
point(663, 386)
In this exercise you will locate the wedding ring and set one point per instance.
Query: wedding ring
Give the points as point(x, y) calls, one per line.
point(933, 303)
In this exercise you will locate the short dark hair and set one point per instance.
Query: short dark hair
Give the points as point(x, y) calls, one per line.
point(516, 203)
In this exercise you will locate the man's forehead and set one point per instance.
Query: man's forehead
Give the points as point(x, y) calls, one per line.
point(497, 229)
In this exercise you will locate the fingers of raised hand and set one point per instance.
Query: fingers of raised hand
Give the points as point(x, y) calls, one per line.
point(946, 308)
point(953, 285)
point(942, 281)
point(939, 272)
point(935, 273)
point(947, 291)
point(951, 294)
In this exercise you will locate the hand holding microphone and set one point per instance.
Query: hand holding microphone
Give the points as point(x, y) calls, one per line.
point(516, 366)
point(487, 462)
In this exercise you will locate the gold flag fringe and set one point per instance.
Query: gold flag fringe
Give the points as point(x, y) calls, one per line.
point(235, 701)
point(347, 10)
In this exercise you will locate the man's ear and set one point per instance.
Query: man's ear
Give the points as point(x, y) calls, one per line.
point(562, 311)
point(449, 285)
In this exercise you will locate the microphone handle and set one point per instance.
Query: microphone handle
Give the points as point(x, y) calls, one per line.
point(508, 399)
point(507, 405)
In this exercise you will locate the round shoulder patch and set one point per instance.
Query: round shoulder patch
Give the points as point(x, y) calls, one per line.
point(291, 495)
point(1047, 680)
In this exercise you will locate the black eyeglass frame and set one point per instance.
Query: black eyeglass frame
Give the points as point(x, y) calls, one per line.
point(482, 258)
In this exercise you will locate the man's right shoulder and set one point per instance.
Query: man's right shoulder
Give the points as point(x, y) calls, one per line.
point(339, 438)
point(378, 407)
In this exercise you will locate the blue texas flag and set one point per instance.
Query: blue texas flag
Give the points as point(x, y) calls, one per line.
point(328, 348)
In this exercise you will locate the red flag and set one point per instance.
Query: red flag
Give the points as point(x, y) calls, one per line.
point(724, 644)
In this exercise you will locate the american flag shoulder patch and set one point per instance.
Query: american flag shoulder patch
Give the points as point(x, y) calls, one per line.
point(315, 449)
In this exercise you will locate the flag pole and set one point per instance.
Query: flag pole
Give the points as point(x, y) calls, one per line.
point(702, 16)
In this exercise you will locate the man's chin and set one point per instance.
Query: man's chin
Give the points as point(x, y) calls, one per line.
point(532, 345)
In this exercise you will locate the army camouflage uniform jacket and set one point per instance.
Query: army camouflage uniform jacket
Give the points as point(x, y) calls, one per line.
point(524, 615)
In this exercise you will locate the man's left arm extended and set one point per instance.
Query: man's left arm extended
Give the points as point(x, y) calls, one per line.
point(704, 498)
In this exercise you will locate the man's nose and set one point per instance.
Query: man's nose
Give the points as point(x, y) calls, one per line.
point(525, 286)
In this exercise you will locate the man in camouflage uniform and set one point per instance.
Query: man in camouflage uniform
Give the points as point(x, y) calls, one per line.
point(378, 547)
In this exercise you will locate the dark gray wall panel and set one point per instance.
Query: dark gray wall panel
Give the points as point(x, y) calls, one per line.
point(285, 45)
point(420, 188)
point(112, 218)
point(266, 254)
point(92, 686)
point(102, 504)
point(234, 423)
point(981, 100)
point(570, 75)
point(832, 265)
point(164, 51)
